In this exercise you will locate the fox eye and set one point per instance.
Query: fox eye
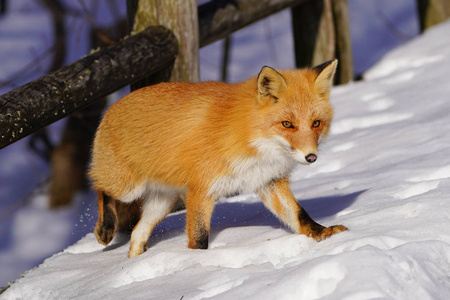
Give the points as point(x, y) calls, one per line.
point(287, 124)
point(316, 124)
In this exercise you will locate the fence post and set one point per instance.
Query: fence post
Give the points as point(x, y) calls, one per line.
point(314, 37)
point(343, 38)
point(321, 32)
point(181, 18)
point(432, 12)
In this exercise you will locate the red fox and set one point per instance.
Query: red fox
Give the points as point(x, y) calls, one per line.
point(209, 140)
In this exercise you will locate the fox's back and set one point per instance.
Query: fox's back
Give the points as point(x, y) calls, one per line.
point(169, 131)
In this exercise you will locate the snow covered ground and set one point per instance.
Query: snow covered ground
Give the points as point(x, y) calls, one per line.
point(384, 172)
point(29, 233)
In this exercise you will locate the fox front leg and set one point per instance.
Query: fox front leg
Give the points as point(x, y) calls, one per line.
point(278, 198)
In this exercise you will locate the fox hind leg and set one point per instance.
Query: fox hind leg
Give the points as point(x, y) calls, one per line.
point(156, 205)
point(199, 209)
point(106, 226)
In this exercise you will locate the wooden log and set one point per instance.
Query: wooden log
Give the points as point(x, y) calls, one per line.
point(52, 97)
point(220, 18)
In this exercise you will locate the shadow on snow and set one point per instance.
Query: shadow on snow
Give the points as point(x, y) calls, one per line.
point(238, 214)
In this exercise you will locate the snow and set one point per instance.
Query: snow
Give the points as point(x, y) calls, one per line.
point(384, 172)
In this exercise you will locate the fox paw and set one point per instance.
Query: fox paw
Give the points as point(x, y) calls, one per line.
point(104, 234)
point(328, 231)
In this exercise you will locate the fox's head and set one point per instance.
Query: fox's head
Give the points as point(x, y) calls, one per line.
point(296, 110)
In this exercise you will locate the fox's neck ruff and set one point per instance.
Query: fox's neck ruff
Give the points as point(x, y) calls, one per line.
point(251, 173)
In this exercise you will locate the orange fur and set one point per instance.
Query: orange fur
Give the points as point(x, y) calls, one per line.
point(209, 138)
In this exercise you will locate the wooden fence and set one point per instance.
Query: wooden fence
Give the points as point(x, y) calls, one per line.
point(54, 96)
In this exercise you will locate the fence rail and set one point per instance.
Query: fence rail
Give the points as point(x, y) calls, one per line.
point(56, 95)
point(52, 97)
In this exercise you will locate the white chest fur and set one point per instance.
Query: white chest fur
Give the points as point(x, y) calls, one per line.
point(250, 174)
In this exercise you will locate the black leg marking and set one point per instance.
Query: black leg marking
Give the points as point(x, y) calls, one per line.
point(307, 222)
point(202, 241)
point(106, 226)
point(315, 230)
point(110, 214)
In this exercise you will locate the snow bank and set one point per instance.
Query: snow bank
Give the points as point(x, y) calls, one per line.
point(384, 172)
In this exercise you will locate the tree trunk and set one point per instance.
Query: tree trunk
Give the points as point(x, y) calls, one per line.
point(181, 18)
point(344, 73)
point(432, 12)
point(2, 7)
point(314, 35)
point(321, 33)
point(69, 160)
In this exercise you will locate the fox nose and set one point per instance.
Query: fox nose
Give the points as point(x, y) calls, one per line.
point(310, 158)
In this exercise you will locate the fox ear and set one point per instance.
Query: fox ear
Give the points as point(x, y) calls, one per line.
point(325, 74)
point(270, 83)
